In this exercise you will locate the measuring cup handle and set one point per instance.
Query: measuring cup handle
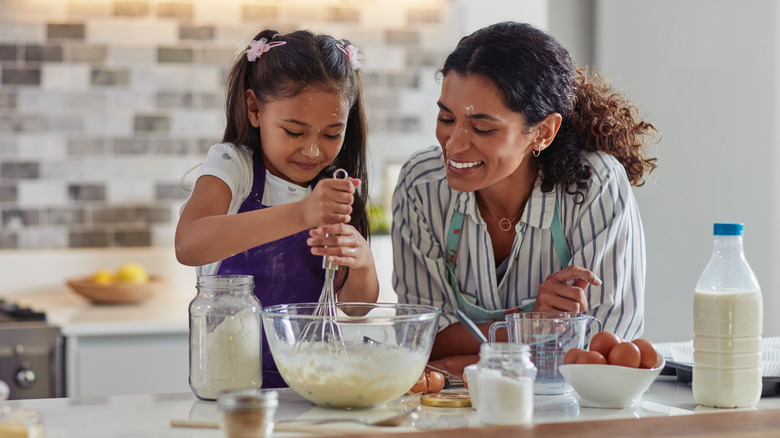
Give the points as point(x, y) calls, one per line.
point(495, 326)
point(599, 326)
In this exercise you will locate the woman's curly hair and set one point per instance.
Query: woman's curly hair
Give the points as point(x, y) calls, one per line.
point(536, 78)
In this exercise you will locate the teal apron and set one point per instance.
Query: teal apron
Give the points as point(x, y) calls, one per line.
point(473, 311)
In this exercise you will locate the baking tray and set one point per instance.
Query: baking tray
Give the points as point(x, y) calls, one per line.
point(684, 373)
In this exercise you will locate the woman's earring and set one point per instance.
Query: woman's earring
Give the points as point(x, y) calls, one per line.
point(536, 153)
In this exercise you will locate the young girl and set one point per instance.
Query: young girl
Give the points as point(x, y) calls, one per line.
point(265, 201)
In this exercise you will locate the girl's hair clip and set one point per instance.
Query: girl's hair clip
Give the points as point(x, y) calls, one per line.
point(352, 55)
point(258, 47)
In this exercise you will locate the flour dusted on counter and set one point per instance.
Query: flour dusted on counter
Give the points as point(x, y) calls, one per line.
point(227, 357)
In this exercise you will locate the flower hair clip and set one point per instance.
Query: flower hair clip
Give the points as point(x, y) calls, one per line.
point(258, 47)
point(352, 55)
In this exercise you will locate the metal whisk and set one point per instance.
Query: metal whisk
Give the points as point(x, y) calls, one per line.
point(325, 329)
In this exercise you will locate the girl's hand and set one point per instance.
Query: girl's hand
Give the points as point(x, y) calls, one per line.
point(343, 245)
point(564, 291)
point(330, 202)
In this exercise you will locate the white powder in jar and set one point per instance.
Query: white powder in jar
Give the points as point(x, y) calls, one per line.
point(227, 357)
point(504, 400)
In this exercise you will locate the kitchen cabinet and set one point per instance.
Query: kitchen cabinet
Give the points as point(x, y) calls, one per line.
point(109, 349)
point(125, 349)
point(99, 365)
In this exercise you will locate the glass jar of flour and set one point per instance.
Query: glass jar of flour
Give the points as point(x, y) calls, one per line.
point(225, 336)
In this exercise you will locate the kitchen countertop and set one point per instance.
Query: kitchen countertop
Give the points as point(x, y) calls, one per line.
point(38, 279)
point(667, 409)
point(163, 313)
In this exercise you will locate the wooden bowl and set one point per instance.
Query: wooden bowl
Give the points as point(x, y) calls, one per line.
point(116, 293)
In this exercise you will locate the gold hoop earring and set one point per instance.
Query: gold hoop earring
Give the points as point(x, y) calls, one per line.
point(536, 153)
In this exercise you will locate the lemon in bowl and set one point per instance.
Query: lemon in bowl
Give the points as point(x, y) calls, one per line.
point(133, 273)
point(102, 276)
point(131, 283)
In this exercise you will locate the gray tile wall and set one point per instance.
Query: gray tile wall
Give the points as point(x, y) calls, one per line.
point(106, 105)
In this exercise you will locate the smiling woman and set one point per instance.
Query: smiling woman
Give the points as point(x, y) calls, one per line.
point(527, 203)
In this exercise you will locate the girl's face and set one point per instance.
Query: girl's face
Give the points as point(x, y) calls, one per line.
point(302, 134)
point(484, 142)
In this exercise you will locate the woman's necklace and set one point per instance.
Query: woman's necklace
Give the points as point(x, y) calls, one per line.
point(505, 224)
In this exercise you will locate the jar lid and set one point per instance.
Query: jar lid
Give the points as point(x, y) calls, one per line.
point(447, 399)
point(227, 282)
point(247, 399)
point(504, 348)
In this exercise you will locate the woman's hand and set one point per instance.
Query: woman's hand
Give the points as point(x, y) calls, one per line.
point(343, 245)
point(330, 202)
point(564, 291)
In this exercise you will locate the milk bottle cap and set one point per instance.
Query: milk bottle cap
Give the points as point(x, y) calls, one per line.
point(728, 229)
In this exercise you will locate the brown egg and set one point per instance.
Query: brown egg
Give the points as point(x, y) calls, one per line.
point(420, 386)
point(648, 353)
point(593, 357)
point(603, 342)
point(572, 355)
point(435, 382)
point(625, 354)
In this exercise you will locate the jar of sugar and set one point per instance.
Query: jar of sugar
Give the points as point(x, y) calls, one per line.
point(505, 381)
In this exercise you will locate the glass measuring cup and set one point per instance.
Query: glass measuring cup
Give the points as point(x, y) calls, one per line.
point(549, 335)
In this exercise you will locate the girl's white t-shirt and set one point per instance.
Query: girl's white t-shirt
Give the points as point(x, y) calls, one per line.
point(233, 165)
point(278, 191)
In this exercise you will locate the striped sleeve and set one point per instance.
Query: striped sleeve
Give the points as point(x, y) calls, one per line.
point(419, 211)
point(607, 238)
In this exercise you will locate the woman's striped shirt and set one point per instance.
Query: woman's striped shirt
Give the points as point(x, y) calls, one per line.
point(604, 234)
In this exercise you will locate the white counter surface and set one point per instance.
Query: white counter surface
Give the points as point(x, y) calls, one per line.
point(38, 280)
point(163, 313)
point(143, 416)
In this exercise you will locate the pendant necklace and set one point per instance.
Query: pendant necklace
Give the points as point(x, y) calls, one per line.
point(505, 224)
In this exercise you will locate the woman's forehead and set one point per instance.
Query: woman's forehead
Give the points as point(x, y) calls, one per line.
point(470, 93)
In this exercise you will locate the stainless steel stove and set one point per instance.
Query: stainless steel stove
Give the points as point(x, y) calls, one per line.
point(30, 353)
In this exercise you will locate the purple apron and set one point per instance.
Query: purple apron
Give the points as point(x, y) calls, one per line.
point(285, 270)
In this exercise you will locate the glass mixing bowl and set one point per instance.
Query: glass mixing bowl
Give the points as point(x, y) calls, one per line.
point(378, 353)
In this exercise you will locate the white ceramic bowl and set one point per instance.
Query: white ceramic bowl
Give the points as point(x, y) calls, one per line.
point(610, 386)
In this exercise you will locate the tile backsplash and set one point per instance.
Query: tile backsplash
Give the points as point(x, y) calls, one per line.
point(106, 105)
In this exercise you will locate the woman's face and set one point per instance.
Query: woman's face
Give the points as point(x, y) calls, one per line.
point(484, 142)
point(302, 134)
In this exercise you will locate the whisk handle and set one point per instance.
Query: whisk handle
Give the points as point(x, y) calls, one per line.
point(338, 174)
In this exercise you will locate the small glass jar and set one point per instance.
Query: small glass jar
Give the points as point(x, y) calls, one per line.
point(505, 384)
point(248, 413)
point(18, 422)
point(225, 336)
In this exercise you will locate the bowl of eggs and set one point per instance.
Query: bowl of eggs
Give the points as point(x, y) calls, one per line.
point(612, 373)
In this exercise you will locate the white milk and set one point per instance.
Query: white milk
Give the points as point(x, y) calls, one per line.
point(727, 348)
